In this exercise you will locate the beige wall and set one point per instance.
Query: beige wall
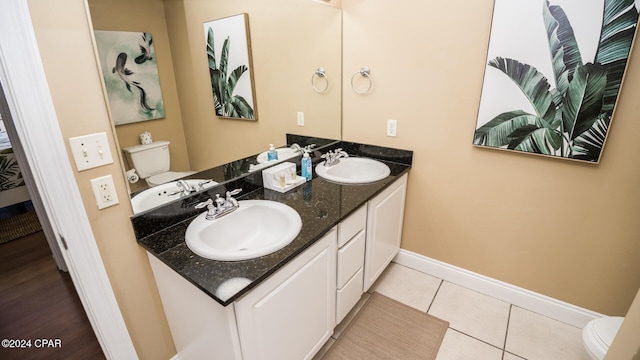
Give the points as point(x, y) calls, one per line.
point(564, 229)
point(284, 61)
point(65, 45)
point(290, 39)
point(109, 15)
point(626, 344)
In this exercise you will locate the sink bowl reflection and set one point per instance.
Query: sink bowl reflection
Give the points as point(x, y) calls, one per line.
point(256, 228)
point(354, 170)
point(162, 194)
point(283, 154)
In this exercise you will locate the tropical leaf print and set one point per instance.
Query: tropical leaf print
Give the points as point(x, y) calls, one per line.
point(223, 84)
point(572, 119)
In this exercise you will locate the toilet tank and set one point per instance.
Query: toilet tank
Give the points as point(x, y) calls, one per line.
point(149, 159)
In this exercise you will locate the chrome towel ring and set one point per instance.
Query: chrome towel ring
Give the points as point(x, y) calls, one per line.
point(364, 72)
point(320, 73)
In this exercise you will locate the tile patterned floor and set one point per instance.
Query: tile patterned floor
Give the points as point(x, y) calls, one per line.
point(481, 327)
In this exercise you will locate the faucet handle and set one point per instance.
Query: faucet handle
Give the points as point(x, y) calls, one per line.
point(204, 204)
point(202, 183)
point(233, 192)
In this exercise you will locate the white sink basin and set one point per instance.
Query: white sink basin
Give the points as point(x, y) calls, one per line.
point(162, 194)
point(283, 154)
point(354, 170)
point(256, 228)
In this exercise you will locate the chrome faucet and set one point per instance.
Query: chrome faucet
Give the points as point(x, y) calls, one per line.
point(295, 147)
point(185, 188)
point(333, 157)
point(299, 149)
point(220, 207)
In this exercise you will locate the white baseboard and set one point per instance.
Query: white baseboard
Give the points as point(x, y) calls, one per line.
point(175, 357)
point(526, 299)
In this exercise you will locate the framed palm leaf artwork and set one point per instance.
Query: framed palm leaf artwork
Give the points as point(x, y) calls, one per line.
point(230, 67)
point(553, 74)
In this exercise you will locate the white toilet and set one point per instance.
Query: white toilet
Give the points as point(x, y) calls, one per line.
point(152, 161)
point(598, 335)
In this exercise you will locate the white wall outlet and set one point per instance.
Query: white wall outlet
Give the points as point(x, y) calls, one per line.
point(104, 191)
point(300, 118)
point(392, 127)
point(90, 151)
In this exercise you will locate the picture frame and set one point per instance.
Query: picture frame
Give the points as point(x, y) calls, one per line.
point(554, 71)
point(228, 49)
point(130, 72)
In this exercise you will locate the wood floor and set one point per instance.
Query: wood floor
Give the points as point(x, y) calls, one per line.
point(38, 303)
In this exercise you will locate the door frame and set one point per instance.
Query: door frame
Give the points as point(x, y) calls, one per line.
point(27, 101)
point(30, 185)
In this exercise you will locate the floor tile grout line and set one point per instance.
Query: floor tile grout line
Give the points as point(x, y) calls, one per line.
point(476, 339)
point(504, 345)
point(442, 281)
point(516, 355)
point(506, 334)
point(435, 295)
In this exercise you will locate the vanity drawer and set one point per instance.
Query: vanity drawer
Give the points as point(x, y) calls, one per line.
point(350, 258)
point(352, 225)
point(348, 296)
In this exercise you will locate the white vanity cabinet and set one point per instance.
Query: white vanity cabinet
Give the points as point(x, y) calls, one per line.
point(200, 327)
point(351, 243)
point(292, 314)
point(368, 240)
point(385, 216)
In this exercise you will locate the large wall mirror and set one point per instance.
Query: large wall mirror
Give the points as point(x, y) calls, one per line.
point(289, 39)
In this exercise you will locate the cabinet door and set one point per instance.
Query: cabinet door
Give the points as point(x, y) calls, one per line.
point(199, 325)
point(292, 314)
point(384, 230)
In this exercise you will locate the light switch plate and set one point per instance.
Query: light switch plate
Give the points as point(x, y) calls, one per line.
point(90, 151)
point(300, 118)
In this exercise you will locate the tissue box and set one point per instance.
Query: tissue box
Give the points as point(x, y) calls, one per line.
point(272, 177)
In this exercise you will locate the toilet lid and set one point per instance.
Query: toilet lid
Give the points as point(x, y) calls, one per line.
point(606, 328)
point(167, 177)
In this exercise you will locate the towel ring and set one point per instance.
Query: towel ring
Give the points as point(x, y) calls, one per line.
point(320, 73)
point(364, 72)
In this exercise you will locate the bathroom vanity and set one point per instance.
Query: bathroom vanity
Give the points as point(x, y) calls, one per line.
point(284, 305)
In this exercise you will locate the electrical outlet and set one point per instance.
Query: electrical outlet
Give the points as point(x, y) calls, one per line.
point(104, 191)
point(392, 127)
point(300, 118)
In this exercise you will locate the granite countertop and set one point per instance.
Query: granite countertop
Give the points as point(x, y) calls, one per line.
point(321, 204)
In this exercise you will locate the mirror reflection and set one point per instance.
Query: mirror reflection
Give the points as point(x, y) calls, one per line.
point(289, 39)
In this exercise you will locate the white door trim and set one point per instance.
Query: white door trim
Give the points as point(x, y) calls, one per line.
point(29, 102)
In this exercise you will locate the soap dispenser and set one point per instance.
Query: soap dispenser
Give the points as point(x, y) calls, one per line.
point(272, 154)
point(307, 172)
